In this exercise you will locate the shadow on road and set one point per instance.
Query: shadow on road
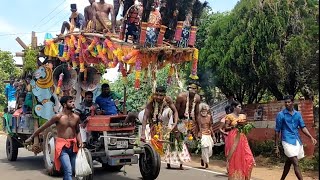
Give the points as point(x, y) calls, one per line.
point(25, 163)
point(35, 163)
point(101, 173)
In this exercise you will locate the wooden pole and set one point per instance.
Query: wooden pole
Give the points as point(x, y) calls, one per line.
point(19, 54)
point(34, 40)
point(24, 46)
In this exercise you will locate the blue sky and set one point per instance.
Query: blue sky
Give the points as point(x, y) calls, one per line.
point(19, 17)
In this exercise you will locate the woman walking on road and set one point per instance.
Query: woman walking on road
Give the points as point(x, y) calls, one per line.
point(240, 160)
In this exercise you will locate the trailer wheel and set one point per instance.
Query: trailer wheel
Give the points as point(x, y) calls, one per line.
point(49, 150)
point(149, 163)
point(12, 147)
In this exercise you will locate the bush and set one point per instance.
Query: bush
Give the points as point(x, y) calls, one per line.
point(310, 164)
point(264, 148)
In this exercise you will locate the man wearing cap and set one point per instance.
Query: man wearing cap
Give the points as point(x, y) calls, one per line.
point(76, 20)
point(288, 123)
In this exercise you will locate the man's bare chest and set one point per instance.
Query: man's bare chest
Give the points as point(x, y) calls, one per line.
point(205, 121)
point(103, 8)
point(68, 122)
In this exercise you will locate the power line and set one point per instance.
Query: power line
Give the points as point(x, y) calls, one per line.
point(55, 15)
point(24, 33)
point(60, 20)
point(49, 14)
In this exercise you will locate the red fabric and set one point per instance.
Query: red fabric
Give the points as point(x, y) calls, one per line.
point(242, 161)
point(17, 113)
point(60, 143)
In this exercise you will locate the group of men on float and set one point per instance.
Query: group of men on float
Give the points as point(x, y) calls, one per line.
point(187, 115)
point(95, 18)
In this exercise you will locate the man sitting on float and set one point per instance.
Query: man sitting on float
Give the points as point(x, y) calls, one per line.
point(84, 109)
point(108, 100)
point(76, 20)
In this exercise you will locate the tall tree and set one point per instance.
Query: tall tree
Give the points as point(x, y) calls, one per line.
point(263, 45)
point(136, 99)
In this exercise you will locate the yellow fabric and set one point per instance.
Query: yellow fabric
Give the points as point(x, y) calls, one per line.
point(51, 49)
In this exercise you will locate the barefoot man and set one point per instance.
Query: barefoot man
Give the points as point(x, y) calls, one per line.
point(102, 11)
point(206, 134)
point(187, 104)
point(89, 16)
point(68, 137)
point(154, 111)
point(288, 123)
point(76, 20)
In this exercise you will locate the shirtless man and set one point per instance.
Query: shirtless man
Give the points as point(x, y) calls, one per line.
point(157, 103)
point(89, 16)
point(68, 137)
point(190, 112)
point(102, 11)
point(187, 104)
point(206, 134)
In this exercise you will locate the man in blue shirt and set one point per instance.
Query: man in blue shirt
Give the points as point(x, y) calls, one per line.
point(108, 100)
point(288, 122)
point(10, 92)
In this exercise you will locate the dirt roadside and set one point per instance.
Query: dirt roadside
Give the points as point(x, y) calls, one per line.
point(259, 172)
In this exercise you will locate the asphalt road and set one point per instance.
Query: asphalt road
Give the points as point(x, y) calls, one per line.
point(30, 167)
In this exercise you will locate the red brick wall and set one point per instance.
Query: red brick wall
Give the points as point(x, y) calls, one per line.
point(265, 130)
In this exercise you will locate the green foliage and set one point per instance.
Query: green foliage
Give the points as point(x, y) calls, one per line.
point(104, 81)
point(7, 69)
point(246, 128)
point(194, 146)
point(30, 60)
point(137, 99)
point(261, 46)
point(264, 148)
point(101, 68)
point(310, 164)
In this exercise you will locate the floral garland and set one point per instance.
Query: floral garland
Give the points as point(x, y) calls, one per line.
point(186, 114)
point(157, 113)
point(176, 142)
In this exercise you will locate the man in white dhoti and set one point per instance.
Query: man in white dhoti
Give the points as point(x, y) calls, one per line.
point(288, 123)
point(206, 134)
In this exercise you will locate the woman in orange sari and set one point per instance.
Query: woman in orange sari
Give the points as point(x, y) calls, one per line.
point(240, 160)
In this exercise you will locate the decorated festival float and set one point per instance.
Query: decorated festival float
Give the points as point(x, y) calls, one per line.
point(151, 35)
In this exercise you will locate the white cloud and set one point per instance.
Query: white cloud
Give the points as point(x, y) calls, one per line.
point(6, 27)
